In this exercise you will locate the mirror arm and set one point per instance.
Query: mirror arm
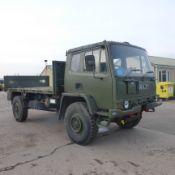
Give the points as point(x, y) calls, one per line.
point(101, 78)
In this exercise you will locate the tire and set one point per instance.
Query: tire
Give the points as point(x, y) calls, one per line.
point(128, 122)
point(20, 111)
point(80, 125)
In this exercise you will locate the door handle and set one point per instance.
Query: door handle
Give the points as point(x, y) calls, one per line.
point(78, 86)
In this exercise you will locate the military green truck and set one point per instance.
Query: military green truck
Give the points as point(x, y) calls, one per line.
point(106, 81)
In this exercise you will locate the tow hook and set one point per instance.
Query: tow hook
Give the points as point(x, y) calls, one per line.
point(151, 106)
point(149, 110)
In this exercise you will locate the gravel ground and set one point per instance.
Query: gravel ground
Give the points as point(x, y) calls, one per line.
point(41, 146)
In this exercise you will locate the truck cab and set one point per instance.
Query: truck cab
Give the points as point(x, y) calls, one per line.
point(118, 77)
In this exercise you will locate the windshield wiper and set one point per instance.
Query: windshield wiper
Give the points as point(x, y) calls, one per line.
point(149, 72)
point(133, 70)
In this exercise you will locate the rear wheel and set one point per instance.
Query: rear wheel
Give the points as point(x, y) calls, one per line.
point(80, 125)
point(129, 122)
point(20, 111)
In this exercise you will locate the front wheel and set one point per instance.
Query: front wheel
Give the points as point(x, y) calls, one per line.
point(129, 122)
point(80, 125)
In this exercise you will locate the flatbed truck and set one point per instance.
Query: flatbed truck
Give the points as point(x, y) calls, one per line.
point(106, 81)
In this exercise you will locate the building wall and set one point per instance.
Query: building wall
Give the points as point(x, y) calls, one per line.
point(48, 71)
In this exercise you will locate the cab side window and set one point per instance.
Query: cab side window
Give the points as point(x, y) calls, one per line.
point(100, 61)
point(96, 55)
point(75, 63)
point(103, 64)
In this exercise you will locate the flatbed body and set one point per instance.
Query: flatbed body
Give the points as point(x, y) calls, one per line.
point(58, 69)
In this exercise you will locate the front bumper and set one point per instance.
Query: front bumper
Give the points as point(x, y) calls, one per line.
point(115, 113)
point(150, 107)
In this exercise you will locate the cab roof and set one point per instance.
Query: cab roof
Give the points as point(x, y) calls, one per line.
point(100, 44)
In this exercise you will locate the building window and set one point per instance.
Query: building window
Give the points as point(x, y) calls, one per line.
point(160, 76)
point(164, 75)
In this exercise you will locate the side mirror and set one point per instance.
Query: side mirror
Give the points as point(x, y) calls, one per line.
point(90, 62)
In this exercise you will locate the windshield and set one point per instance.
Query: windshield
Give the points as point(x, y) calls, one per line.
point(130, 61)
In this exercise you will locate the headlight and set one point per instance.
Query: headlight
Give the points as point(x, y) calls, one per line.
point(126, 104)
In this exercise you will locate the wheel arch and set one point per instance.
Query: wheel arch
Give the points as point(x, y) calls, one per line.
point(69, 98)
point(11, 95)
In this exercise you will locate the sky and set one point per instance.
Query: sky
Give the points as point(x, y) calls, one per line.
point(32, 31)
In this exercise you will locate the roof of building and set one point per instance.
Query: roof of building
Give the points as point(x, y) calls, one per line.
point(162, 61)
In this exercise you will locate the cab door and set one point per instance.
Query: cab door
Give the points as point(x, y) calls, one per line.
point(97, 81)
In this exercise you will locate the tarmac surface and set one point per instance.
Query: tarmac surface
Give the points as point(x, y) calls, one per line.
point(41, 146)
